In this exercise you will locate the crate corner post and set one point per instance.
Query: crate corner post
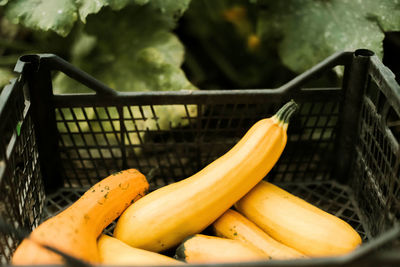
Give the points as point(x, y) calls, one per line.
point(354, 83)
point(39, 85)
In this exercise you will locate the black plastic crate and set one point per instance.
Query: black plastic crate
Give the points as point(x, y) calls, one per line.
point(342, 153)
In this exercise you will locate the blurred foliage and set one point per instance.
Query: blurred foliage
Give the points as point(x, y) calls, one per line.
point(227, 43)
point(263, 43)
point(140, 54)
point(308, 31)
point(114, 45)
point(223, 49)
point(58, 16)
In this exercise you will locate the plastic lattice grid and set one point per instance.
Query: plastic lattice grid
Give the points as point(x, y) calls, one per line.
point(96, 141)
point(88, 143)
point(329, 196)
point(376, 169)
point(22, 189)
point(308, 155)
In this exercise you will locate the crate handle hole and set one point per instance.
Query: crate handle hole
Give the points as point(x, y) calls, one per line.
point(29, 58)
point(364, 53)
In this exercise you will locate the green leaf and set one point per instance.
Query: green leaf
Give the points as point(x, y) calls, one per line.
point(87, 7)
point(83, 45)
point(386, 13)
point(173, 8)
point(58, 16)
point(5, 76)
point(170, 7)
point(309, 31)
point(133, 50)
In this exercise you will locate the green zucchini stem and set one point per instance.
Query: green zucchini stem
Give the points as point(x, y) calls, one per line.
point(285, 113)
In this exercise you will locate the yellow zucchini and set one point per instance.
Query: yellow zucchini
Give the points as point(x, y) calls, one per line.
point(163, 218)
point(297, 223)
point(75, 230)
point(235, 226)
point(115, 252)
point(210, 249)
